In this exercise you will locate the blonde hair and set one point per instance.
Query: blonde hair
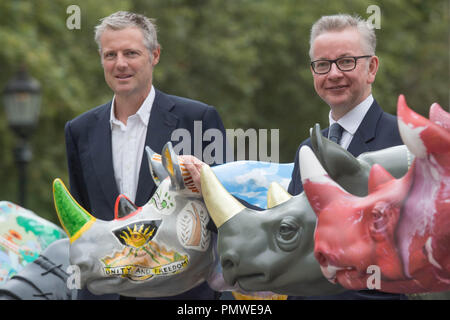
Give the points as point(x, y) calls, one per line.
point(123, 19)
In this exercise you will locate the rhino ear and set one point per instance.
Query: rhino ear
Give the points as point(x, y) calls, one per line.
point(155, 165)
point(172, 166)
point(440, 116)
point(421, 136)
point(123, 207)
point(378, 176)
point(337, 162)
point(276, 195)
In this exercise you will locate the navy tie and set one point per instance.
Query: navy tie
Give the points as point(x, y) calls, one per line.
point(335, 132)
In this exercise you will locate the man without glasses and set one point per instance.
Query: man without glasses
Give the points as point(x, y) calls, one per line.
point(105, 146)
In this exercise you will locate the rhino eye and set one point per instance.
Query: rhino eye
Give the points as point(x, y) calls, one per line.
point(288, 234)
point(379, 218)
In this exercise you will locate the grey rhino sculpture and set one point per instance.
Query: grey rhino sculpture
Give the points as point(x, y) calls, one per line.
point(273, 250)
point(160, 249)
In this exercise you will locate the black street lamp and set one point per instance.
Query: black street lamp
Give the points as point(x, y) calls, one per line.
point(22, 101)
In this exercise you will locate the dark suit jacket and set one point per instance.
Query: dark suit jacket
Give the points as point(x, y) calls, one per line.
point(89, 153)
point(378, 130)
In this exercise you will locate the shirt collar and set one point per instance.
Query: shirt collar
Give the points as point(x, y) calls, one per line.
point(143, 112)
point(352, 119)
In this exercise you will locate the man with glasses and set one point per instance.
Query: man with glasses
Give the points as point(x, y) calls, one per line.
point(344, 66)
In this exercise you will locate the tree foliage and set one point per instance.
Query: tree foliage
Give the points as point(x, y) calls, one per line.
point(248, 58)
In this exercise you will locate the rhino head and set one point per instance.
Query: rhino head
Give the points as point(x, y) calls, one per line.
point(264, 250)
point(401, 226)
point(160, 249)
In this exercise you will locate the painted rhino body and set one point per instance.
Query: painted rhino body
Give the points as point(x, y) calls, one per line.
point(402, 227)
point(274, 249)
point(160, 249)
point(23, 236)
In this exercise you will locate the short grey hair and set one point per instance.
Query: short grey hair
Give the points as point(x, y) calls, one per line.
point(340, 22)
point(124, 19)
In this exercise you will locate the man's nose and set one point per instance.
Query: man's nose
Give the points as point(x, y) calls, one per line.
point(121, 61)
point(335, 72)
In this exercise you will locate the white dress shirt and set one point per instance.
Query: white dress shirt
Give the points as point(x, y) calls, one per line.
point(351, 121)
point(128, 142)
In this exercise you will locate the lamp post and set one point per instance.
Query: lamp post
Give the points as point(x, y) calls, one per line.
point(22, 101)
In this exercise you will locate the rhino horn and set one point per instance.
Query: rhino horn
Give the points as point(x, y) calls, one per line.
point(74, 218)
point(276, 195)
point(378, 176)
point(222, 206)
point(320, 189)
point(421, 136)
point(123, 207)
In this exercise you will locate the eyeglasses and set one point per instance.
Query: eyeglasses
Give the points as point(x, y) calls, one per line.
point(323, 66)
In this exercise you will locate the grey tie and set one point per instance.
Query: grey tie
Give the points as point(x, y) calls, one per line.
point(335, 132)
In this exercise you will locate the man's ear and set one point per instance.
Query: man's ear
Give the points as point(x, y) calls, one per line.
point(373, 68)
point(101, 56)
point(155, 56)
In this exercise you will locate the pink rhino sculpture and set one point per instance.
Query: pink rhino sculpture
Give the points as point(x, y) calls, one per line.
point(402, 226)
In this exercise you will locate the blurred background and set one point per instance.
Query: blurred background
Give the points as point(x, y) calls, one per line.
point(248, 58)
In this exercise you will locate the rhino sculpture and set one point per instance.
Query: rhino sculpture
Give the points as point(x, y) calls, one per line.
point(46, 277)
point(160, 249)
point(402, 228)
point(273, 250)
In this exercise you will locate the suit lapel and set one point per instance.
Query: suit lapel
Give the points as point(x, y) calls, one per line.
point(101, 157)
point(159, 130)
point(366, 130)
